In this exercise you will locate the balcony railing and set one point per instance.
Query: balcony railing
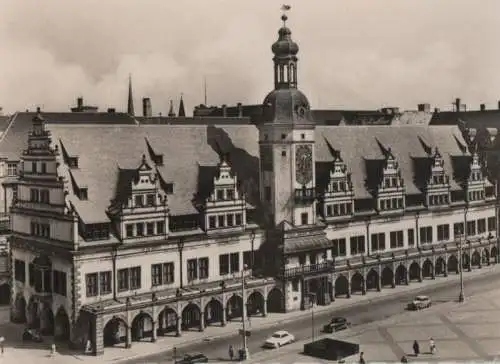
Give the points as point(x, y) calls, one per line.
point(324, 267)
point(305, 194)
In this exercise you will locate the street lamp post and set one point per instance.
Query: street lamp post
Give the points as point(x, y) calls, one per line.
point(180, 246)
point(312, 298)
point(461, 297)
point(244, 353)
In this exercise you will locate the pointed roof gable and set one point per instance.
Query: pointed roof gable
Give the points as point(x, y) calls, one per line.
point(182, 112)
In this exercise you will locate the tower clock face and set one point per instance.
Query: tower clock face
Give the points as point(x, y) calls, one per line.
point(303, 164)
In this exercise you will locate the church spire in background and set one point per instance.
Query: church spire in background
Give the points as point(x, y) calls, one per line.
point(182, 111)
point(130, 106)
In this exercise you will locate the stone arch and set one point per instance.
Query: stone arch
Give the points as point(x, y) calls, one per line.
point(115, 332)
point(341, 286)
point(427, 269)
point(275, 301)
point(255, 303)
point(142, 326)
point(387, 276)
point(47, 321)
point(20, 309)
point(214, 312)
point(61, 325)
point(167, 321)
point(191, 316)
point(357, 283)
point(401, 274)
point(414, 271)
point(440, 268)
point(452, 264)
point(372, 280)
point(475, 259)
point(4, 294)
point(494, 254)
point(234, 307)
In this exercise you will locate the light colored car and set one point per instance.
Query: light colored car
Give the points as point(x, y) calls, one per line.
point(419, 303)
point(279, 338)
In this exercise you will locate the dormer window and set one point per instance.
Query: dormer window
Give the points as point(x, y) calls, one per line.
point(83, 193)
point(391, 193)
point(476, 183)
point(220, 195)
point(438, 186)
point(159, 160)
point(11, 169)
point(230, 194)
point(73, 162)
point(338, 199)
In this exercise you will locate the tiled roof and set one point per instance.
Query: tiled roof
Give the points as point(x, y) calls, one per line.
point(197, 120)
point(4, 122)
point(473, 119)
point(13, 141)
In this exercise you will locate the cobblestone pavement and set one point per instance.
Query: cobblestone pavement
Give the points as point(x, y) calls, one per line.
point(462, 332)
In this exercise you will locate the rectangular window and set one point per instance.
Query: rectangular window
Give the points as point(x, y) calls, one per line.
point(339, 247)
point(471, 228)
point(33, 167)
point(211, 222)
point(44, 196)
point(12, 169)
point(91, 284)
point(295, 285)
point(304, 217)
point(223, 264)
point(230, 220)
point(192, 265)
point(230, 194)
point(458, 229)
point(139, 201)
point(44, 167)
point(357, 244)
point(129, 230)
point(34, 195)
point(397, 239)
point(160, 227)
point(234, 259)
point(220, 195)
point(104, 283)
point(150, 228)
point(168, 273)
point(378, 242)
point(20, 270)
point(60, 283)
point(492, 226)
point(139, 229)
point(123, 280)
point(481, 226)
point(203, 268)
point(220, 221)
point(443, 232)
point(426, 235)
point(238, 220)
point(135, 278)
point(31, 274)
point(156, 275)
point(150, 199)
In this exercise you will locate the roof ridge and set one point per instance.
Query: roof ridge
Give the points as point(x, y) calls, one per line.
point(13, 118)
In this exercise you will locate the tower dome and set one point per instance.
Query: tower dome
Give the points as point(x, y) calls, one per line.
point(285, 46)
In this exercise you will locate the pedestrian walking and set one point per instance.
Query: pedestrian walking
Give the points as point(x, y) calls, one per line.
point(2, 339)
point(361, 358)
point(432, 346)
point(404, 359)
point(416, 348)
point(231, 352)
point(53, 349)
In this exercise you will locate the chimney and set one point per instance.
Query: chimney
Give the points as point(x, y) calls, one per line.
point(111, 110)
point(240, 110)
point(79, 102)
point(147, 111)
point(424, 107)
point(482, 107)
point(224, 111)
point(436, 110)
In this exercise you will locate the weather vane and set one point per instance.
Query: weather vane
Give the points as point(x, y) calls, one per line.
point(284, 9)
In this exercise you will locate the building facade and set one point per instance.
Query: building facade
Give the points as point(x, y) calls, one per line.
point(124, 233)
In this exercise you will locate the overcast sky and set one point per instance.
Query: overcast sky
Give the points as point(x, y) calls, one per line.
point(353, 54)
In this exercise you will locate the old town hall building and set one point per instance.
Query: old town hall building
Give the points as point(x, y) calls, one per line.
point(132, 231)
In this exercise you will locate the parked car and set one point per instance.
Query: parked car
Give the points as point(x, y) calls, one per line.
point(192, 359)
point(279, 338)
point(32, 335)
point(336, 324)
point(420, 302)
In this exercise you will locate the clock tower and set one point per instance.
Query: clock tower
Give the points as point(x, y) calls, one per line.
point(286, 141)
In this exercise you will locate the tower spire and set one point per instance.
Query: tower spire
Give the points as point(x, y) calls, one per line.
point(171, 112)
point(285, 56)
point(130, 106)
point(182, 112)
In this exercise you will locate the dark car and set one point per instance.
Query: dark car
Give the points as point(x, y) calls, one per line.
point(336, 324)
point(192, 359)
point(32, 335)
